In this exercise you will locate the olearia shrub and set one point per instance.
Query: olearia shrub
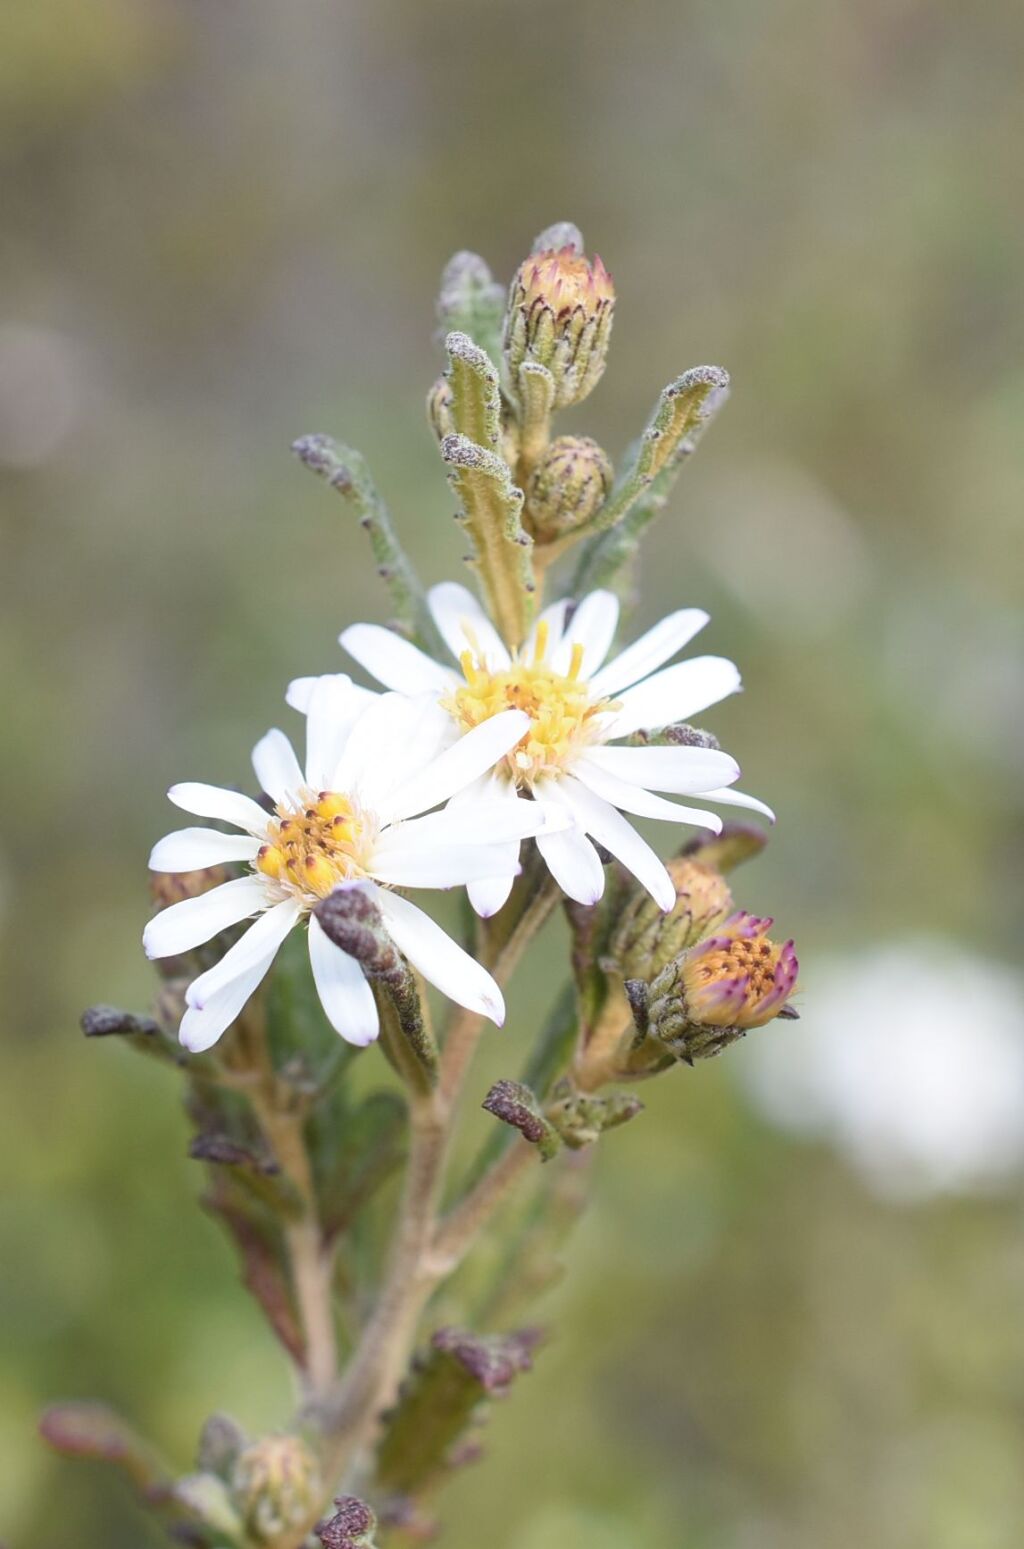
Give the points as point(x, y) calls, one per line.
point(503, 744)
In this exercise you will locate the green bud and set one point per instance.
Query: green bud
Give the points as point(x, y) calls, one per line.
point(646, 938)
point(568, 487)
point(276, 1487)
point(580, 1119)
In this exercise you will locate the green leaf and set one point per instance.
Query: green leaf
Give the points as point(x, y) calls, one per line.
point(471, 302)
point(441, 1400)
point(88, 1430)
point(345, 470)
point(683, 412)
point(476, 398)
point(491, 508)
point(354, 1157)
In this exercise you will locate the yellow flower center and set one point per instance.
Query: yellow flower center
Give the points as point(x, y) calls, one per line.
point(560, 706)
point(756, 960)
point(322, 839)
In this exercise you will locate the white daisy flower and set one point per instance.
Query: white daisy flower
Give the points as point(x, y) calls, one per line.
point(373, 763)
point(571, 758)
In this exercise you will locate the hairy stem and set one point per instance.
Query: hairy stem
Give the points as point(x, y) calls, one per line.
point(465, 1027)
point(310, 1261)
point(416, 1266)
point(459, 1230)
point(380, 1358)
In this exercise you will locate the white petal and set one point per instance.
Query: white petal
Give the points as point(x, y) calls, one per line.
point(201, 1026)
point(593, 626)
point(425, 866)
point(277, 768)
point(395, 662)
point(675, 694)
point(554, 617)
point(486, 821)
point(465, 626)
point(440, 959)
point(212, 801)
point(730, 798)
point(194, 920)
point(344, 993)
point(260, 942)
point(610, 828)
point(390, 742)
point(641, 802)
point(469, 757)
point(680, 771)
point(191, 849)
point(333, 707)
point(648, 653)
point(574, 863)
point(300, 691)
point(489, 894)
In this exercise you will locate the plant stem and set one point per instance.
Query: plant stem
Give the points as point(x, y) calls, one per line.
point(282, 1121)
point(380, 1358)
point(465, 1027)
point(416, 1267)
point(460, 1228)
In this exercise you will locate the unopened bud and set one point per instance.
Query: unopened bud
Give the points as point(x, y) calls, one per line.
point(559, 316)
point(580, 1119)
point(568, 487)
point(277, 1487)
point(171, 887)
point(645, 939)
point(351, 918)
point(733, 980)
point(352, 1526)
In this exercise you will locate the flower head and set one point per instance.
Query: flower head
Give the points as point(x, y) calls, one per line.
point(704, 1000)
point(373, 763)
point(571, 757)
point(737, 977)
point(559, 316)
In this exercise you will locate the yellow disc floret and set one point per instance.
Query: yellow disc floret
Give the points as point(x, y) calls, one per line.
point(560, 705)
point(324, 838)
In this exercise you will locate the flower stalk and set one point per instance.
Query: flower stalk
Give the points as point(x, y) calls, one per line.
point(508, 746)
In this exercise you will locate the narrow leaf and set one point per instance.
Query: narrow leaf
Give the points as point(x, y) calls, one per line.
point(345, 470)
point(476, 398)
point(684, 411)
point(471, 302)
point(441, 1401)
point(491, 509)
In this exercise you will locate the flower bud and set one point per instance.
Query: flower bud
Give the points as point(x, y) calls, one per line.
point(645, 939)
point(277, 1487)
point(560, 316)
point(171, 887)
point(568, 487)
point(735, 979)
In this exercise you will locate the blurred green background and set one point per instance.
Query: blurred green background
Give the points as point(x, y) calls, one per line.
point(222, 227)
